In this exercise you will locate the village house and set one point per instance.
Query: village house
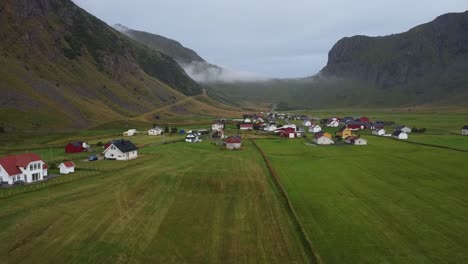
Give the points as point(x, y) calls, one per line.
point(346, 119)
point(321, 139)
point(355, 125)
point(121, 150)
point(155, 131)
point(129, 133)
point(364, 119)
point(378, 132)
point(67, 167)
point(465, 130)
point(271, 127)
point(246, 126)
point(400, 134)
point(233, 143)
point(314, 128)
point(333, 122)
point(306, 123)
point(217, 126)
point(192, 137)
point(377, 125)
point(217, 134)
point(405, 129)
point(76, 147)
point(27, 168)
point(356, 141)
point(344, 132)
point(247, 120)
point(289, 132)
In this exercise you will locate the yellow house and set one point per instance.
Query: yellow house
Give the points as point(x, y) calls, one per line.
point(344, 132)
point(327, 135)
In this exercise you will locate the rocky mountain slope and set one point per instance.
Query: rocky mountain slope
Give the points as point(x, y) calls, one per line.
point(62, 67)
point(429, 61)
point(194, 65)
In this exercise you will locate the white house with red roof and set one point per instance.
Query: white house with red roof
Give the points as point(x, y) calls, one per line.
point(67, 167)
point(218, 126)
point(28, 167)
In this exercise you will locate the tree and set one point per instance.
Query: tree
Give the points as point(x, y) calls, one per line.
point(166, 129)
point(174, 130)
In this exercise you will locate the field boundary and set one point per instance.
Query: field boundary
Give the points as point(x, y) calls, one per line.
point(315, 257)
point(425, 144)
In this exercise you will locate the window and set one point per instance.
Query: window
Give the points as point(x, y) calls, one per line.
point(112, 147)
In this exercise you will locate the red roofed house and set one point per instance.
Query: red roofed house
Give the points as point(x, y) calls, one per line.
point(246, 126)
point(364, 119)
point(289, 132)
point(67, 167)
point(27, 167)
point(233, 143)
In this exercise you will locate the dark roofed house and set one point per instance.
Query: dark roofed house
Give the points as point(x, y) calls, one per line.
point(76, 147)
point(121, 150)
point(465, 130)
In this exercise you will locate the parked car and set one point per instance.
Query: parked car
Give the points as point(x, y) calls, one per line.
point(93, 158)
point(20, 182)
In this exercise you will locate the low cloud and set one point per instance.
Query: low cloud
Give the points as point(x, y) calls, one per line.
point(208, 73)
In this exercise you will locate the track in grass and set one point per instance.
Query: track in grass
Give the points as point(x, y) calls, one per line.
point(178, 203)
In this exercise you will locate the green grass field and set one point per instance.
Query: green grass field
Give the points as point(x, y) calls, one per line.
point(388, 202)
point(177, 203)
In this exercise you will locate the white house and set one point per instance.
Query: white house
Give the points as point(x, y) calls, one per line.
point(306, 123)
point(270, 127)
point(315, 128)
point(155, 131)
point(217, 126)
point(356, 141)
point(121, 150)
point(378, 132)
point(67, 167)
point(405, 129)
point(465, 130)
point(400, 135)
point(192, 138)
point(27, 167)
point(129, 133)
point(333, 123)
point(322, 140)
point(247, 120)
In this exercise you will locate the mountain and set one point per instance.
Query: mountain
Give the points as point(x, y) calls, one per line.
point(428, 63)
point(62, 67)
point(193, 64)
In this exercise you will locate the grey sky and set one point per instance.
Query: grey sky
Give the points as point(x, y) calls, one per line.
point(275, 38)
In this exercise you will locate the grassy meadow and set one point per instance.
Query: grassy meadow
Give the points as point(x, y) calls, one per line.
point(176, 203)
point(387, 202)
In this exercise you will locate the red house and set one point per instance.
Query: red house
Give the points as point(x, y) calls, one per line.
point(246, 126)
point(75, 147)
point(364, 119)
point(288, 132)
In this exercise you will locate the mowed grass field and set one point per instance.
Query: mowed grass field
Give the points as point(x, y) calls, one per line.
point(176, 203)
point(387, 202)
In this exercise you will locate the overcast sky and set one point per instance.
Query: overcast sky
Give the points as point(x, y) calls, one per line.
point(274, 38)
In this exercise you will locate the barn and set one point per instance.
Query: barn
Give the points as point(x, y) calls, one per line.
point(76, 147)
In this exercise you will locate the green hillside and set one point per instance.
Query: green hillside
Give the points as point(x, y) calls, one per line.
point(62, 67)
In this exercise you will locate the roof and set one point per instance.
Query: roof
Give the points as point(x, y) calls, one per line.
point(397, 132)
point(12, 163)
point(231, 140)
point(124, 145)
point(191, 135)
point(341, 129)
point(68, 164)
point(76, 144)
point(465, 127)
point(246, 125)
